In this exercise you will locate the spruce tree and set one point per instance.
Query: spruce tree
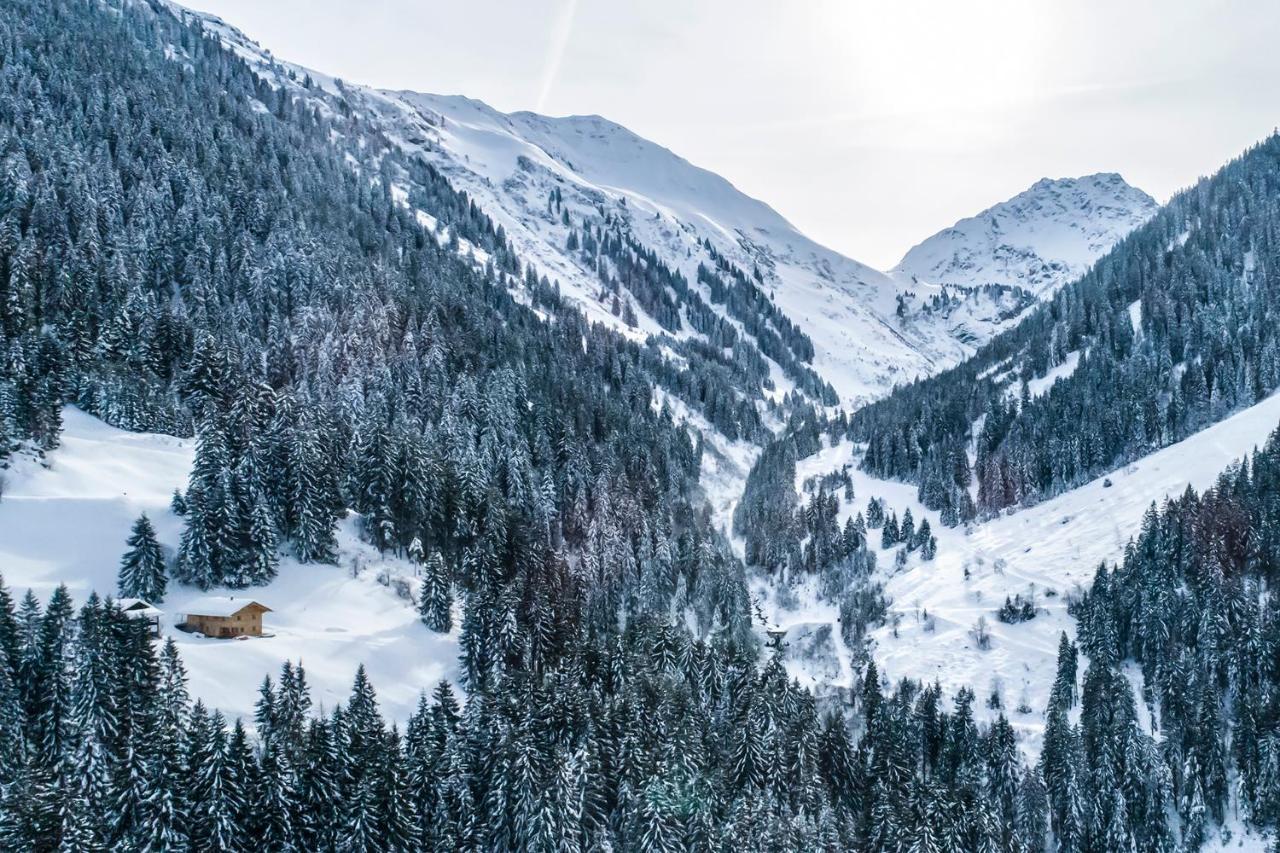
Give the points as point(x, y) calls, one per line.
point(261, 558)
point(907, 530)
point(435, 599)
point(875, 513)
point(142, 570)
point(196, 558)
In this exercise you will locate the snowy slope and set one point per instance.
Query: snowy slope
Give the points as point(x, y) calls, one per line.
point(1038, 240)
point(1055, 545)
point(509, 163)
point(65, 521)
point(1035, 242)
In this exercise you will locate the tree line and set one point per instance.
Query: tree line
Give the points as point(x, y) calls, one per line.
point(647, 739)
point(1173, 330)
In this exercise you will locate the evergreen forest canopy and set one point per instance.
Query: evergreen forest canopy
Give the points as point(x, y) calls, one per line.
point(654, 740)
point(648, 741)
point(187, 248)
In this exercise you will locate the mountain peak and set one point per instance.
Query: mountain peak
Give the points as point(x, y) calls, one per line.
point(1038, 240)
point(1098, 178)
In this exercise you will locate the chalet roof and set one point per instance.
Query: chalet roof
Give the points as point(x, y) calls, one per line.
point(220, 605)
point(143, 613)
point(135, 604)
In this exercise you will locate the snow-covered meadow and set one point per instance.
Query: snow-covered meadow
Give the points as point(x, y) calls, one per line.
point(1046, 550)
point(65, 520)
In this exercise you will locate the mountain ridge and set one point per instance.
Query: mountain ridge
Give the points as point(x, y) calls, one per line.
point(865, 338)
point(674, 207)
point(1039, 239)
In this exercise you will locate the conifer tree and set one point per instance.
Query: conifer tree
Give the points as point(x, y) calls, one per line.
point(889, 533)
point(196, 560)
point(928, 545)
point(875, 514)
point(435, 600)
point(142, 570)
point(907, 530)
point(213, 809)
point(261, 557)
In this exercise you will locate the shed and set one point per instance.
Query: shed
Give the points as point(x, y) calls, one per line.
point(224, 616)
point(137, 608)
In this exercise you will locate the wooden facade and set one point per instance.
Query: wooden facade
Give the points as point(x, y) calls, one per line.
point(240, 620)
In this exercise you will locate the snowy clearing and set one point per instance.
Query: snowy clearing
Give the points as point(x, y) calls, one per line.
point(1055, 546)
point(67, 523)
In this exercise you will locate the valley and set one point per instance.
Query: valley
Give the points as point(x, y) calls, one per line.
point(594, 505)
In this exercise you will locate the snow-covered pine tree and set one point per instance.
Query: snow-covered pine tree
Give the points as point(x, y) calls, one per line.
point(435, 599)
point(143, 573)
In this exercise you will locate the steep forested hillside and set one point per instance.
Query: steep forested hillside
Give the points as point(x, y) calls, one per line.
point(1171, 331)
point(608, 212)
point(1192, 604)
point(186, 249)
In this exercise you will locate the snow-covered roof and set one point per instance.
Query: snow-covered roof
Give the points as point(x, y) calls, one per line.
point(220, 605)
point(135, 604)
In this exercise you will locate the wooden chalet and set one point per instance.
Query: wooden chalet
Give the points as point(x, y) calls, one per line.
point(224, 616)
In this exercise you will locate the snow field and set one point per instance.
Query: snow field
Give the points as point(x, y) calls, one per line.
point(1054, 546)
point(66, 521)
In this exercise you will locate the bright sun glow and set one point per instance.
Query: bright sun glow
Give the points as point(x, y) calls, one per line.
point(919, 57)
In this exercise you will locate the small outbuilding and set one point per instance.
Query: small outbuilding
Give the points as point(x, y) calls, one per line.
point(224, 616)
point(136, 608)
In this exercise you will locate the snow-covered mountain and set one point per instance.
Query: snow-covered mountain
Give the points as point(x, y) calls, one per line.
point(602, 174)
point(1038, 240)
point(1027, 246)
point(865, 337)
point(511, 163)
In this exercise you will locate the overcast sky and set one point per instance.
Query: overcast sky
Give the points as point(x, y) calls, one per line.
point(869, 125)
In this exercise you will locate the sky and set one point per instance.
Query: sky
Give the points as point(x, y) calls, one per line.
point(869, 125)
